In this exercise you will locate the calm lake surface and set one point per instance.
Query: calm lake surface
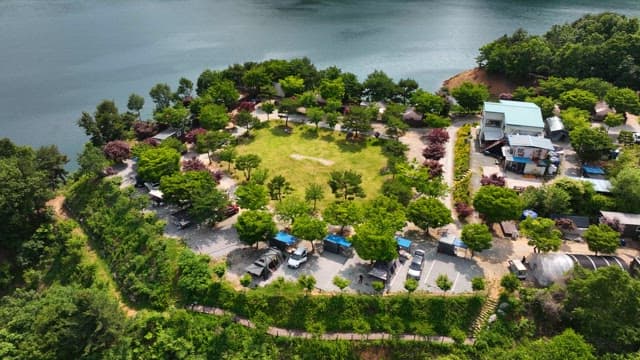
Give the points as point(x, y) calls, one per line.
point(61, 57)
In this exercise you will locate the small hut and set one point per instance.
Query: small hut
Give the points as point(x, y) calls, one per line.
point(555, 130)
point(601, 109)
point(412, 118)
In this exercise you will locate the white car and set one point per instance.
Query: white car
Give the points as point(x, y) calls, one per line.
point(417, 263)
point(636, 137)
point(298, 258)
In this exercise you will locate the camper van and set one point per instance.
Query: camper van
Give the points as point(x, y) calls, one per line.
point(518, 268)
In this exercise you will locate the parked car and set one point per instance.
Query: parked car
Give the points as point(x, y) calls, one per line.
point(266, 264)
point(299, 257)
point(636, 137)
point(384, 270)
point(417, 263)
point(518, 269)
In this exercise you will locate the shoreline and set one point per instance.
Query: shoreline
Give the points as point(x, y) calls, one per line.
point(497, 84)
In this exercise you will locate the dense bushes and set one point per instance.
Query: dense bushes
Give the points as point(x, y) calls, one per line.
point(461, 173)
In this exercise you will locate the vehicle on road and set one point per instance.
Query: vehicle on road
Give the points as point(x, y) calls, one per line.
point(518, 268)
point(299, 257)
point(417, 263)
point(266, 264)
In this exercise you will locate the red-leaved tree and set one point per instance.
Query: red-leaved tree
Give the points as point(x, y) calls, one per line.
point(151, 141)
point(193, 165)
point(433, 152)
point(463, 210)
point(493, 179)
point(144, 129)
point(117, 150)
point(437, 136)
point(435, 167)
point(190, 137)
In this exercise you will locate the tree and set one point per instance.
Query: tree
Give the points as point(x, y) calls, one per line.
point(375, 241)
point(179, 188)
point(309, 228)
point(278, 187)
point(546, 104)
point(428, 212)
point(195, 276)
point(510, 282)
point(340, 282)
point(208, 204)
point(135, 103)
point(578, 98)
point(419, 177)
point(352, 88)
point(614, 119)
point(314, 192)
point(444, 283)
point(212, 141)
point(255, 79)
point(185, 89)
point(246, 163)
point(154, 163)
point(346, 184)
point(601, 238)
point(161, 95)
point(626, 189)
point(254, 226)
point(291, 209)
point(332, 89)
point(470, 96)
point(221, 92)
point(117, 151)
point(343, 213)
point(624, 100)
point(292, 85)
point(427, 103)
point(397, 189)
point(91, 160)
point(395, 127)
point(411, 285)
point(590, 143)
point(228, 154)
point(252, 196)
point(542, 234)
point(477, 237)
point(244, 118)
point(214, 117)
point(386, 212)
point(547, 200)
point(50, 160)
point(378, 86)
point(174, 117)
point(315, 115)
point(357, 120)
point(407, 87)
point(497, 204)
point(573, 118)
point(307, 282)
point(268, 107)
point(611, 326)
point(478, 284)
point(105, 125)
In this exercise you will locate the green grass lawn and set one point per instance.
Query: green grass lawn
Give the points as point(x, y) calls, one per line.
point(275, 147)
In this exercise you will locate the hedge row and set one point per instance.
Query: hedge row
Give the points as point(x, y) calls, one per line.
point(462, 151)
point(461, 193)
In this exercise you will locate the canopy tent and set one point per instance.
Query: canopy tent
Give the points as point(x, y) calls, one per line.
point(283, 240)
point(529, 213)
point(403, 243)
point(592, 170)
point(549, 268)
point(156, 194)
point(335, 243)
point(450, 244)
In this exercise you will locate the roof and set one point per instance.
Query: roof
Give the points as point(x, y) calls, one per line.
point(555, 124)
point(339, 240)
point(278, 89)
point(411, 115)
point(492, 133)
point(517, 113)
point(508, 227)
point(530, 141)
point(581, 222)
point(451, 240)
point(625, 218)
point(165, 134)
point(402, 242)
point(599, 185)
point(593, 170)
point(283, 237)
point(156, 194)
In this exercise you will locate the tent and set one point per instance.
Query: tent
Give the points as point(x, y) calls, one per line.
point(449, 245)
point(529, 213)
point(549, 268)
point(282, 240)
point(592, 171)
point(403, 243)
point(335, 243)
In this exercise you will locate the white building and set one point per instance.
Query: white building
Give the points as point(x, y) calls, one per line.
point(510, 118)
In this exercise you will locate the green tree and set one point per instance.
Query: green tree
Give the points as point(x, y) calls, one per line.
point(214, 117)
point(252, 196)
point(613, 120)
point(314, 192)
point(395, 127)
point(228, 154)
point(309, 228)
point(195, 276)
point(105, 125)
point(175, 117)
point(399, 190)
point(444, 283)
point(611, 326)
point(352, 88)
point(470, 96)
point(343, 213)
point(212, 141)
point(542, 234)
point(387, 212)
point(378, 86)
point(407, 87)
point(510, 282)
point(546, 104)
point(478, 284)
point(92, 160)
point(626, 189)
point(292, 85)
point(375, 241)
point(50, 160)
point(427, 103)
point(246, 163)
point(244, 118)
point(428, 212)
point(547, 200)
point(161, 95)
point(573, 118)
point(521, 93)
point(346, 184)
point(477, 237)
point(411, 285)
point(624, 100)
point(590, 143)
point(378, 286)
point(154, 163)
point(315, 115)
point(601, 238)
point(254, 226)
point(307, 282)
point(221, 92)
point(279, 187)
point(268, 107)
point(291, 208)
point(185, 89)
point(332, 89)
point(208, 204)
point(358, 120)
point(497, 203)
point(340, 282)
point(135, 103)
point(578, 98)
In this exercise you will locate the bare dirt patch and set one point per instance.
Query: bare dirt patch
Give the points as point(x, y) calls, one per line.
point(497, 84)
point(324, 162)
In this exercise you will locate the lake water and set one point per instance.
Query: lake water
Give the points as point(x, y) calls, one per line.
point(61, 57)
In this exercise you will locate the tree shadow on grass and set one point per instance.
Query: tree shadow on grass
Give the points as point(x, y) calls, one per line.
point(351, 146)
point(281, 130)
point(310, 134)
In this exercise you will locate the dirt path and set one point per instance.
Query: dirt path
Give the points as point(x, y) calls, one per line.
point(324, 162)
point(276, 331)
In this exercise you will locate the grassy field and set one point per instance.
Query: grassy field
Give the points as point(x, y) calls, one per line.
point(330, 150)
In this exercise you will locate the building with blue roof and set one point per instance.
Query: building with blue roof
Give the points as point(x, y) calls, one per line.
point(500, 119)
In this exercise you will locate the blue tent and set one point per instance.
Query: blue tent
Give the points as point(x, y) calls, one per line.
point(529, 213)
point(337, 240)
point(403, 243)
point(592, 170)
point(283, 240)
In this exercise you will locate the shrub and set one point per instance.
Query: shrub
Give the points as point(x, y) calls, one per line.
point(462, 152)
point(435, 167)
point(436, 121)
point(245, 280)
point(477, 284)
point(220, 269)
point(493, 179)
point(437, 136)
point(193, 165)
point(461, 193)
point(434, 151)
point(191, 136)
point(144, 129)
point(378, 286)
point(151, 142)
point(463, 210)
point(457, 335)
point(117, 151)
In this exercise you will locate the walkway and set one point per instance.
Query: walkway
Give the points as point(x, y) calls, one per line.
point(275, 331)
